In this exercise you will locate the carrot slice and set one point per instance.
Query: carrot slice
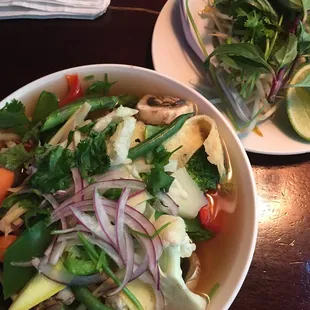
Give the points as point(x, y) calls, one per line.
point(5, 242)
point(6, 181)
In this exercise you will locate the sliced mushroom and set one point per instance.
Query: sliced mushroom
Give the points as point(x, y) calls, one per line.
point(161, 110)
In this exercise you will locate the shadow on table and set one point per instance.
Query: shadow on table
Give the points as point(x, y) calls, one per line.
point(274, 160)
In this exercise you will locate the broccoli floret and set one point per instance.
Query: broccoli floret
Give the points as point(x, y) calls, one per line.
point(204, 173)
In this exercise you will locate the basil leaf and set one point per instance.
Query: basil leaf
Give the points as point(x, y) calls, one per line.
point(303, 40)
point(265, 6)
point(287, 53)
point(14, 157)
point(47, 103)
point(295, 5)
point(246, 53)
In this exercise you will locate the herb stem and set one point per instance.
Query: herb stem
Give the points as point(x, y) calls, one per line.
point(267, 48)
point(276, 85)
point(204, 50)
point(274, 39)
point(291, 71)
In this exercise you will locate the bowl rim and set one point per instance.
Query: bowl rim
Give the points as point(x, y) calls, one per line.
point(78, 69)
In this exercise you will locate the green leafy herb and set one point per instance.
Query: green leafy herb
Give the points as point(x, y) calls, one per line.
point(91, 155)
point(158, 180)
point(196, 232)
point(14, 157)
point(244, 56)
point(100, 87)
point(32, 134)
point(87, 128)
point(204, 173)
point(287, 53)
point(47, 103)
point(161, 156)
point(12, 116)
point(303, 40)
point(54, 170)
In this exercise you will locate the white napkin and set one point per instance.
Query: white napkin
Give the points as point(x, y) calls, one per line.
point(80, 9)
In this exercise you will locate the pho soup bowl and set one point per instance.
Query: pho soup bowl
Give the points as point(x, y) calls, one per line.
point(226, 258)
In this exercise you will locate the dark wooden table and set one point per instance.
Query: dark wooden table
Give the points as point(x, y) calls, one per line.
point(279, 277)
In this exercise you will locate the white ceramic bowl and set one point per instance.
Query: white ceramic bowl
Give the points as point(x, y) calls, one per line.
point(226, 258)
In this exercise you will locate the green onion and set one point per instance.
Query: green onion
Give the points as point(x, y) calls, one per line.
point(156, 233)
point(90, 249)
point(213, 290)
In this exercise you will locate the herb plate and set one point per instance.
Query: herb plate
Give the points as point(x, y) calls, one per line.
point(174, 57)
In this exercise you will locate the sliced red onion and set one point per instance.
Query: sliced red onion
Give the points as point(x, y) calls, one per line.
point(103, 218)
point(69, 230)
point(90, 223)
point(57, 252)
point(129, 263)
point(146, 243)
point(140, 218)
point(49, 250)
point(140, 269)
point(50, 198)
point(68, 236)
point(73, 242)
point(64, 277)
point(136, 193)
point(56, 213)
point(109, 250)
point(78, 182)
point(120, 221)
point(168, 202)
point(22, 264)
point(117, 183)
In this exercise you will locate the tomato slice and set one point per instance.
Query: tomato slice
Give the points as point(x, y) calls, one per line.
point(209, 216)
point(208, 221)
point(75, 90)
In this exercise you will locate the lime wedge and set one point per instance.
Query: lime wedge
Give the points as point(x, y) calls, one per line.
point(298, 104)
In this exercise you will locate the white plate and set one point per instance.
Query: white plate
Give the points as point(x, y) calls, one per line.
point(174, 57)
